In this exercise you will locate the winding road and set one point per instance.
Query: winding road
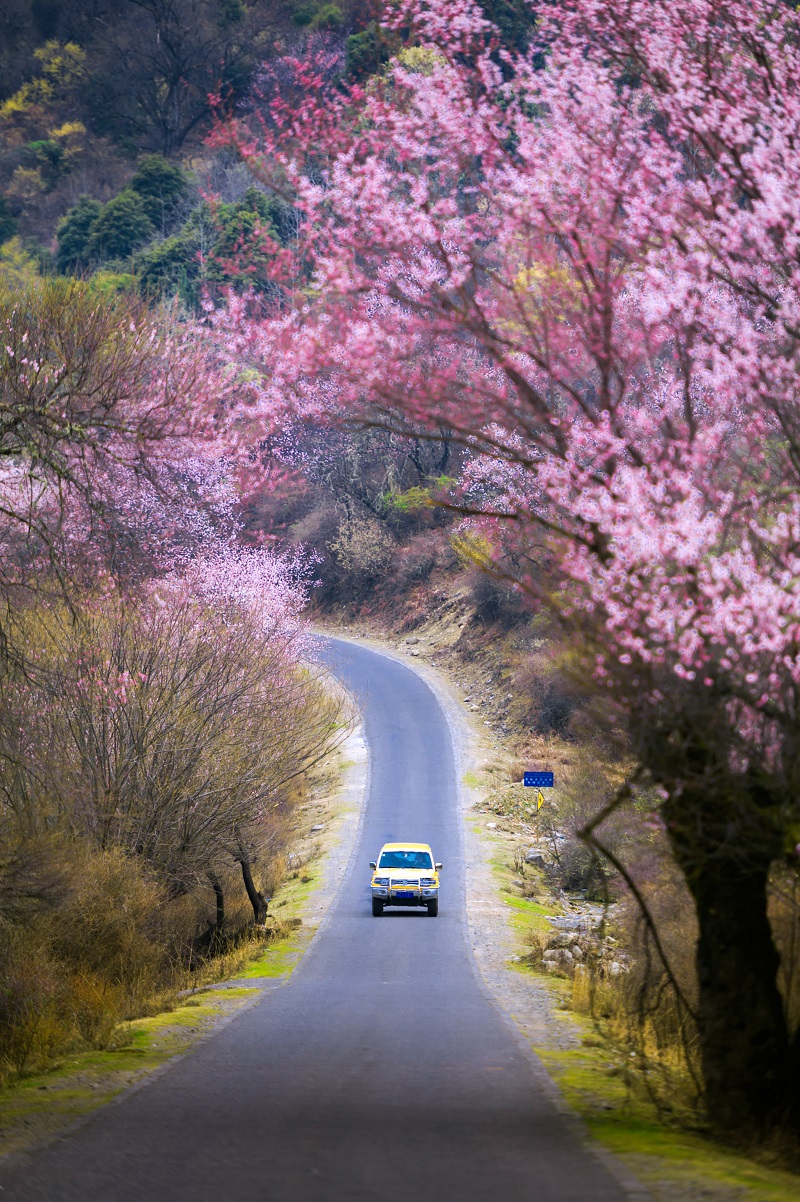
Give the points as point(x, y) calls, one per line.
point(381, 1071)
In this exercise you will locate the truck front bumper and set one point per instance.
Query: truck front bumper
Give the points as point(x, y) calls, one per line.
point(404, 897)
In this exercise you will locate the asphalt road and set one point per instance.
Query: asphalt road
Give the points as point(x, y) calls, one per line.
point(380, 1072)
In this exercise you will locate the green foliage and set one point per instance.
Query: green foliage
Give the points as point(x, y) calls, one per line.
point(161, 187)
point(515, 19)
point(319, 14)
point(73, 235)
point(329, 16)
point(412, 499)
point(232, 236)
point(238, 224)
point(120, 228)
point(113, 283)
point(232, 12)
point(95, 233)
point(47, 152)
point(366, 52)
point(171, 266)
point(8, 222)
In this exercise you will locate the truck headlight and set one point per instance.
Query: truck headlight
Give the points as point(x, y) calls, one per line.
point(380, 880)
point(426, 880)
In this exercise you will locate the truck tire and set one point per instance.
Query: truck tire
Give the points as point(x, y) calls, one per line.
point(433, 908)
point(377, 907)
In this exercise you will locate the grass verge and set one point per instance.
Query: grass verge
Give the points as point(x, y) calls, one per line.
point(40, 1106)
point(669, 1153)
point(674, 1161)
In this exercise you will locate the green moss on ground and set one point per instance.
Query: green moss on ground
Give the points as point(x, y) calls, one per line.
point(528, 915)
point(277, 960)
point(292, 895)
point(667, 1157)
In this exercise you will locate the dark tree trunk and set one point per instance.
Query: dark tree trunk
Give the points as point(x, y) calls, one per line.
point(744, 1039)
point(257, 900)
point(219, 898)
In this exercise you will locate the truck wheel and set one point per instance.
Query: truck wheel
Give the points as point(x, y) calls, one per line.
point(377, 907)
point(433, 908)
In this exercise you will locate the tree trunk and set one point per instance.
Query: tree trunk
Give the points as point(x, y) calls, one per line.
point(744, 1039)
point(257, 900)
point(219, 897)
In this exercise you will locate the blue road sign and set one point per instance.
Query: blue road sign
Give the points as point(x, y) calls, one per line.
point(539, 780)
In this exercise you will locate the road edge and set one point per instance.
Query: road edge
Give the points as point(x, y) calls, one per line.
point(353, 786)
point(467, 754)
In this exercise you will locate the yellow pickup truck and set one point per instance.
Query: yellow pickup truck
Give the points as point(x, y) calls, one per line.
point(405, 874)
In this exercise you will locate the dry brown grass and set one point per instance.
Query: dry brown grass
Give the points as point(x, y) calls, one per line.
point(115, 947)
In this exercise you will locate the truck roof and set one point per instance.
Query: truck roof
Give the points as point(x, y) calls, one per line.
point(406, 847)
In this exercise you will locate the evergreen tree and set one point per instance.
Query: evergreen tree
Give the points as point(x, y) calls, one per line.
point(73, 235)
point(121, 226)
point(161, 187)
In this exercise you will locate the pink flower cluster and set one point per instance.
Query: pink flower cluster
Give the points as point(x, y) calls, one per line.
point(587, 271)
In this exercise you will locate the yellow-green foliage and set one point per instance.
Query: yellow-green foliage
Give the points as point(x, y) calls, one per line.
point(472, 550)
point(420, 60)
point(17, 268)
point(112, 283)
point(411, 499)
point(61, 68)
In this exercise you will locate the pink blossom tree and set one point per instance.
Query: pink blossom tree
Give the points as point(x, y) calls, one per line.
point(109, 431)
point(584, 264)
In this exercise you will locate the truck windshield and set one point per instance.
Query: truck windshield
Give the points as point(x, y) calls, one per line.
point(405, 859)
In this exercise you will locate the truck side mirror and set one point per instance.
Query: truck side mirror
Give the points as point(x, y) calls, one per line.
point(437, 866)
point(373, 864)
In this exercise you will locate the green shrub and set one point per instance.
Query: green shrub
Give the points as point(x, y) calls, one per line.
point(328, 16)
point(236, 256)
point(112, 283)
point(8, 222)
point(366, 52)
point(46, 153)
point(318, 14)
point(119, 229)
point(170, 266)
point(161, 187)
point(73, 235)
